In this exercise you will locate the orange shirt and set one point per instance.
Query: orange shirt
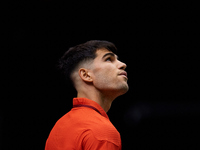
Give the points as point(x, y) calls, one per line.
point(85, 127)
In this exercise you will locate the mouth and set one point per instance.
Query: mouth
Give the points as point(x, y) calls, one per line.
point(124, 73)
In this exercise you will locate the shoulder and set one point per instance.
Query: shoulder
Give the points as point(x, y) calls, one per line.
point(92, 121)
point(106, 131)
point(102, 132)
point(97, 141)
point(95, 126)
point(81, 120)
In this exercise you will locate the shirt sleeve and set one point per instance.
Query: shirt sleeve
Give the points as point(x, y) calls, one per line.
point(90, 142)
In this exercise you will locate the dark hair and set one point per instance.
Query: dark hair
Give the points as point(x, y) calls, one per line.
point(70, 60)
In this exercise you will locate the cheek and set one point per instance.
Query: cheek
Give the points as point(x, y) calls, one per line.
point(104, 78)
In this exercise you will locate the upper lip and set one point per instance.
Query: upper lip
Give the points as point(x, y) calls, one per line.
point(123, 73)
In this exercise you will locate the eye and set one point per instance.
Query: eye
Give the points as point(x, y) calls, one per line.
point(108, 59)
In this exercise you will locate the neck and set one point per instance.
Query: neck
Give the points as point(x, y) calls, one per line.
point(104, 101)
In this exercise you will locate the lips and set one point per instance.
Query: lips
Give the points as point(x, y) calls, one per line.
point(124, 73)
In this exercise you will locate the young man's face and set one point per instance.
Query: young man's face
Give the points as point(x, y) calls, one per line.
point(108, 73)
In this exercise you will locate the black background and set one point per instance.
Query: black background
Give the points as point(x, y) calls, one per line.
point(157, 41)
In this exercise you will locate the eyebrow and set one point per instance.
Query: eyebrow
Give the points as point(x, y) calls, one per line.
point(111, 54)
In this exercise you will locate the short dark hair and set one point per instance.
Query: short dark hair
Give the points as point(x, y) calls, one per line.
point(72, 57)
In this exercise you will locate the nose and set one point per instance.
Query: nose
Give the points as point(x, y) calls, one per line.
point(122, 65)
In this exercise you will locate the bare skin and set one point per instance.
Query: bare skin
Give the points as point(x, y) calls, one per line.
point(101, 80)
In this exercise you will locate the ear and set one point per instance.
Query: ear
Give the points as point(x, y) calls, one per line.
point(85, 75)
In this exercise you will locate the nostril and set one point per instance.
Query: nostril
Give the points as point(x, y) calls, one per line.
point(123, 66)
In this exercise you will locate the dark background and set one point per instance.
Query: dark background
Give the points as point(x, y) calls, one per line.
point(157, 41)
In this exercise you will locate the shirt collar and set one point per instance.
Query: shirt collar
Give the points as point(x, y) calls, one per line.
point(85, 101)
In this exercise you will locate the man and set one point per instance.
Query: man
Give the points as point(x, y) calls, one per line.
point(98, 77)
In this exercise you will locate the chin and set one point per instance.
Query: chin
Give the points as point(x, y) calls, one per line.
point(124, 89)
